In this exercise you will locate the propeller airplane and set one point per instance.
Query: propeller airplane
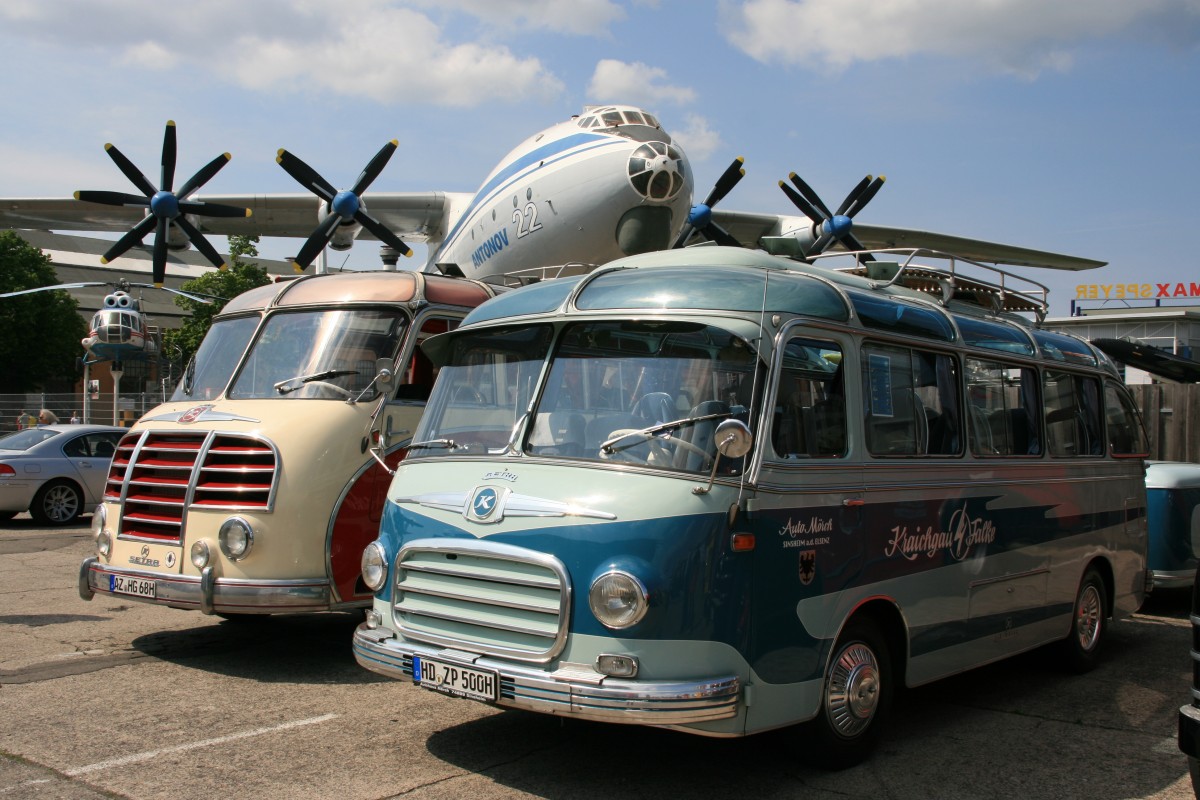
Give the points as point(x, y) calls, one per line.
point(607, 183)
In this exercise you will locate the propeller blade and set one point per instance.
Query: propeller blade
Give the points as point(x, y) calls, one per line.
point(865, 197)
point(683, 236)
point(158, 265)
point(203, 176)
point(810, 195)
point(306, 176)
point(853, 195)
point(729, 179)
point(801, 203)
point(374, 167)
point(135, 236)
point(212, 209)
point(202, 244)
point(112, 198)
point(130, 171)
point(382, 233)
point(168, 157)
point(721, 236)
point(317, 241)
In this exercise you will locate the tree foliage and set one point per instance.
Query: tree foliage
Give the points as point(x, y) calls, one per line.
point(241, 275)
point(42, 331)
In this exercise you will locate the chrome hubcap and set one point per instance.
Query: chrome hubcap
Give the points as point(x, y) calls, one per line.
point(852, 694)
point(1087, 617)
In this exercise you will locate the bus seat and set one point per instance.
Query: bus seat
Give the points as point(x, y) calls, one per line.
point(981, 431)
point(559, 433)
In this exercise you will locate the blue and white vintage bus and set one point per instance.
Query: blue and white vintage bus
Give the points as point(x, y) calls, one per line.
point(724, 492)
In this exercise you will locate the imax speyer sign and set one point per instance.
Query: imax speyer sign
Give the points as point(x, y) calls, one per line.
point(1135, 291)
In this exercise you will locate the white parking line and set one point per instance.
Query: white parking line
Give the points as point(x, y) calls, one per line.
point(136, 757)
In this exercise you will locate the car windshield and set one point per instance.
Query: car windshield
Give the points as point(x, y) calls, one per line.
point(326, 354)
point(650, 393)
point(23, 440)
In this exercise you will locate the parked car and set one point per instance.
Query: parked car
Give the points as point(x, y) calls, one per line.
point(1173, 520)
point(55, 471)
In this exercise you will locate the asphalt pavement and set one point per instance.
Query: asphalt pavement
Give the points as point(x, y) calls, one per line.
point(119, 699)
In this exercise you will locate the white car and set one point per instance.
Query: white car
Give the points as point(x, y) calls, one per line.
point(55, 471)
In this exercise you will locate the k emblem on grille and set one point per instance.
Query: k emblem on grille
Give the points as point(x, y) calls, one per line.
point(485, 504)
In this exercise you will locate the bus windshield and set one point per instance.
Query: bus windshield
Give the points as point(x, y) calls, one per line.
point(208, 372)
point(647, 392)
point(325, 354)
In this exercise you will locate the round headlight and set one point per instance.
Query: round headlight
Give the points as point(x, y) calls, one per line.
point(374, 566)
point(618, 599)
point(104, 544)
point(236, 537)
point(200, 554)
point(99, 519)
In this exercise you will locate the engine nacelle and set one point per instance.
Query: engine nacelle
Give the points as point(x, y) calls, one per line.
point(346, 231)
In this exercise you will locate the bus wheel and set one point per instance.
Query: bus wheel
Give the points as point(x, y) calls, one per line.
point(856, 697)
point(1080, 651)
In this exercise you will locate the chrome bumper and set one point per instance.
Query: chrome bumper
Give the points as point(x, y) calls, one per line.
point(569, 691)
point(1173, 578)
point(212, 595)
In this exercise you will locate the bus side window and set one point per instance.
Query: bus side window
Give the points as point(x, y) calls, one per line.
point(1072, 414)
point(810, 408)
point(1001, 409)
point(1125, 434)
point(910, 402)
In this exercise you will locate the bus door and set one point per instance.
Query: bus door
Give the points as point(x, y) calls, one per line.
point(360, 510)
point(807, 514)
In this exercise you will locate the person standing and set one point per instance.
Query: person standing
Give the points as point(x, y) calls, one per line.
point(47, 417)
point(75, 418)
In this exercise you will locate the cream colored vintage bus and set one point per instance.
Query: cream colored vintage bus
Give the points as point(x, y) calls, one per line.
point(256, 487)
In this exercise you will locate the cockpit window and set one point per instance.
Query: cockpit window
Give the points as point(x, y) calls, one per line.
point(634, 118)
point(612, 118)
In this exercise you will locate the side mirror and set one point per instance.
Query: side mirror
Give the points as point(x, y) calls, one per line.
point(383, 371)
point(734, 440)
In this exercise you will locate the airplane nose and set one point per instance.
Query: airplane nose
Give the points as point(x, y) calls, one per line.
point(657, 171)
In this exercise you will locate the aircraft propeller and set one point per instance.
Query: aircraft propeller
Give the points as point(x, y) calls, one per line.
point(831, 226)
point(165, 207)
point(344, 206)
point(700, 216)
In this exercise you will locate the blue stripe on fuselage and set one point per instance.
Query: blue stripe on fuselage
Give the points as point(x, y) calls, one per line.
point(550, 153)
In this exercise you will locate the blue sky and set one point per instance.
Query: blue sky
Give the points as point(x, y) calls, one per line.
point(1070, 126)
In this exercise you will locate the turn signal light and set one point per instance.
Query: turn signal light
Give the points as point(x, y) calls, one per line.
point(741, 542)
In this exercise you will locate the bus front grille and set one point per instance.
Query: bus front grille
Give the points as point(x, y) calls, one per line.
point(484, 598)
point(158, 476)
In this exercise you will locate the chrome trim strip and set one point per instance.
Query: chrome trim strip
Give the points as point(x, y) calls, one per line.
point(603, 698)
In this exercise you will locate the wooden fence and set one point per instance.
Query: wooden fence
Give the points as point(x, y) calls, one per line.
point(1171, 412)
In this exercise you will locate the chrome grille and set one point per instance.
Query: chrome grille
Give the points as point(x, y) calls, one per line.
point(157, 476)
point(486, 598)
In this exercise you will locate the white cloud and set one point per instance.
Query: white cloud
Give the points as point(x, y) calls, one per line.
point(1019, 36)
point(638, 84)
point(364, 48)
point(699, 140)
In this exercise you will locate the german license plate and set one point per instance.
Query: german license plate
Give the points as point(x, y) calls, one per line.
point(476, 684)
point(138, 587)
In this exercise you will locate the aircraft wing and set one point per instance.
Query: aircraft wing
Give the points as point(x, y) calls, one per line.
point(751, 229)
point(413, 216)
point(1151, 359)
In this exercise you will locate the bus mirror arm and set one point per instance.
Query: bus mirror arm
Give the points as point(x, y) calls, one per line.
point(734, 440)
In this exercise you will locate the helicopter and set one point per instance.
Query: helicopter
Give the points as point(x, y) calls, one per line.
point(118, 330)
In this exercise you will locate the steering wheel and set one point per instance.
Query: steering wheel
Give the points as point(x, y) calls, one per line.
point(654, 408)
point(465, 391)
point(330, 387)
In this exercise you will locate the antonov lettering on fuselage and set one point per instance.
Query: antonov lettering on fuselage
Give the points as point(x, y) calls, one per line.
point(607, 183)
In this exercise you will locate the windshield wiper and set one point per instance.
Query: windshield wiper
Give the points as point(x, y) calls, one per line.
point(448, 444)
point(645, 434)
point(283, 388)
